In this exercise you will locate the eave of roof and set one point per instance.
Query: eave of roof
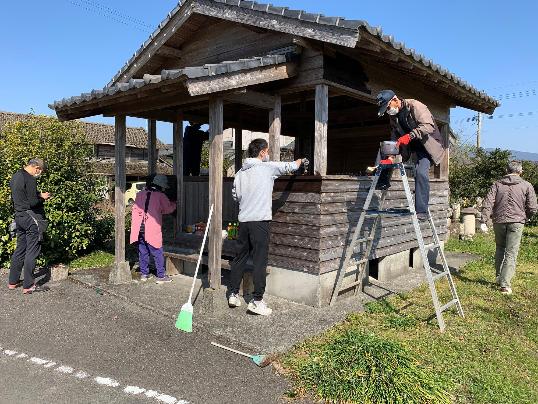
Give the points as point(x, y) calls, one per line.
point(209, 70)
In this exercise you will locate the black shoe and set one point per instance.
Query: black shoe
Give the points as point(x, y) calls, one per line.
point(36, 288)
point(422, 216)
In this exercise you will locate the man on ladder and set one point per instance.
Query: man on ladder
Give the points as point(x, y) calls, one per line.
point(413, 126)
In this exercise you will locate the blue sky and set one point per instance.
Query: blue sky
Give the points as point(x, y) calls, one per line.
point(58, 48)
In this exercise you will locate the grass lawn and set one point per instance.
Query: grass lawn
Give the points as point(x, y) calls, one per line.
point(395, 352)
point(95, 259)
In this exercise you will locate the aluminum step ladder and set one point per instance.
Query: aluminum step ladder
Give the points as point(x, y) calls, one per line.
point(359, 267)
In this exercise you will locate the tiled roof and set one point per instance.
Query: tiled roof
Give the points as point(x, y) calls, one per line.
point(347, 26)
point(187, 72)
point(96, 133)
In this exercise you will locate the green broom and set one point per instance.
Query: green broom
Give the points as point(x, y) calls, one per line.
point(184, 318)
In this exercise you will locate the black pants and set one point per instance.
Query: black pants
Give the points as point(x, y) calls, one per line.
point(27, 251)
point(253, 238)
point(422, 180)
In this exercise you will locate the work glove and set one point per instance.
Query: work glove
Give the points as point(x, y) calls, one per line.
point(484, 228)
point(405, 140)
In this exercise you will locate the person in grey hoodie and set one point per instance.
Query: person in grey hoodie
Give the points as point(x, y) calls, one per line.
point(253, 190)
point(510, 202)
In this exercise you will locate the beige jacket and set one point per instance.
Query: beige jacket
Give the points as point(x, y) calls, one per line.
point(510, 200)
point(423, 126)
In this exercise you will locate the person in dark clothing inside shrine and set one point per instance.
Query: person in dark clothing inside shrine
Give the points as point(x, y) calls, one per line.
point(193, 141)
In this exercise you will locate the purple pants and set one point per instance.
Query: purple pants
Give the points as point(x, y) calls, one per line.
point(144, 251)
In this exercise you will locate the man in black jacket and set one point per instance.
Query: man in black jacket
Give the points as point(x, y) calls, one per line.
point(31, 224)
point(193, 141)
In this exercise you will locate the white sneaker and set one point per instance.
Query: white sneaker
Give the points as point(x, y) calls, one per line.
point(259, 307)
point(234, 300)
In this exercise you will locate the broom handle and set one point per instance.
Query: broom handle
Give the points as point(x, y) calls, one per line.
point(201, 252)
point(232, 350)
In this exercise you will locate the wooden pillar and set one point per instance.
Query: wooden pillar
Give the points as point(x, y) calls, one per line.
point(152, 147)
point(120, 273)
point(444, 165)
point(275, 125)
point(216, 152)
point(178, 171)
point(320, 131)
point(238, 148)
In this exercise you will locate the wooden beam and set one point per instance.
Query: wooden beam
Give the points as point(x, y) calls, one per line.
point(238, 148)
point(240, 79)
point(350, 92)
point(120, 273)
point(178, 170)
point(320, 133)
point(170, 52)
point(152, 147)
point(275, 125)
point(216, 157)
point(252, 98)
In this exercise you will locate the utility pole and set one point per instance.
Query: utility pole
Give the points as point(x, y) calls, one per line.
point(478, 130)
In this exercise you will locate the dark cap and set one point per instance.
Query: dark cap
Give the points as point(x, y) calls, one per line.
point(383, 99)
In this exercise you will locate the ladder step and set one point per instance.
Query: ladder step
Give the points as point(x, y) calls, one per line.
point(439, 275)
point(448, 305)
point(352, 284)
point(398, 213)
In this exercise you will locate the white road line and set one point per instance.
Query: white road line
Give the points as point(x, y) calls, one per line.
point(81, 375)
point(102, 381)
point(133, 390)
point(165, 398)
point(106, 381)
point(65, 369)
point(9, 352)
point(38, 361)
point(151, 393)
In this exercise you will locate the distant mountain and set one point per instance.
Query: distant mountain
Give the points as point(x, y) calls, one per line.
point(520, 155)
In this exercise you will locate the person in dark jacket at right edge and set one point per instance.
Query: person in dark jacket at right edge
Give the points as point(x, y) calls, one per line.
point(510, 202)
point(30, 220)
point(413, 126)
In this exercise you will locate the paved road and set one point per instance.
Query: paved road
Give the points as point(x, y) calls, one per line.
point(72, 345)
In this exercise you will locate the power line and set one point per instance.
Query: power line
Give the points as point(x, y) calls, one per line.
point(116, 17)
point(118, 13)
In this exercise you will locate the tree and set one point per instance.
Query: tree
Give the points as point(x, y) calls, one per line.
point(473, 171)
point(70, 211)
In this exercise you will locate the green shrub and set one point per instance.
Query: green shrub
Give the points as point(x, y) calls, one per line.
point(473, 171)
point(356, 367)
point(70, 211)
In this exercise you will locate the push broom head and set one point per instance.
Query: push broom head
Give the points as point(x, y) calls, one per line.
point(262, 360)
point(184, 318)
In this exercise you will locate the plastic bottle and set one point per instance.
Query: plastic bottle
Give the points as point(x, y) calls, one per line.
point(229, 229)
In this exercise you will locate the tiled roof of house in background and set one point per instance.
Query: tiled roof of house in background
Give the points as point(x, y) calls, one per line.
point(96, 133)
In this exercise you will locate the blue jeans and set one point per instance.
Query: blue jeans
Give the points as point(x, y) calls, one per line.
point(422, 181)
point(144, 251)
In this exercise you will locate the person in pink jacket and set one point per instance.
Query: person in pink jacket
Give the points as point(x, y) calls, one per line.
point(146, 226)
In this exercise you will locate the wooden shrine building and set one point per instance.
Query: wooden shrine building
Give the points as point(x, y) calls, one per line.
point(246, 65)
